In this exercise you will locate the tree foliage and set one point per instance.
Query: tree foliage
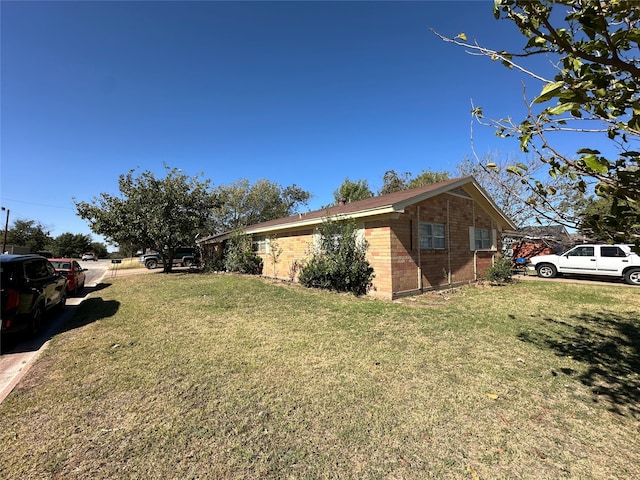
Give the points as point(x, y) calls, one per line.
point(71, 245)
point(595, 90)
point(158, 213)
point(242, 204)
point(352, 191)
point(340, 261)
point(29, 233)
point(513, 197)
point(392, 181)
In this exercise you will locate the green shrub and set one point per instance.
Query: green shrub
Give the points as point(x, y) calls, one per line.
point(340, 263)
point(240, 257)
point(501, 271)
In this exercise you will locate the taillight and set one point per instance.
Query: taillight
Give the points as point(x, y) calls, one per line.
point(13, 298)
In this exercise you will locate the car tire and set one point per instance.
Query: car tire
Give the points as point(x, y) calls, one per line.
point(187, 262)
point(632, 276)
point(151, 264)
point(546, 270)
point(36, 320)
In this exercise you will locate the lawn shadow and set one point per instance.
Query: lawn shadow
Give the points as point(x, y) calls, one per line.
point(89, 311)
point(608, 345)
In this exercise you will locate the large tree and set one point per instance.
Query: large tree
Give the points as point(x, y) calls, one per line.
point(394, 182)
point(158, 213)
point(71, 245)
point(29, 233)
point(241, 204)
point(595, 89)
point(352, 191)
point(513, 197)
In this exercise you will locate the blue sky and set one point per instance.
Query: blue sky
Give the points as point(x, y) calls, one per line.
point(295, 92)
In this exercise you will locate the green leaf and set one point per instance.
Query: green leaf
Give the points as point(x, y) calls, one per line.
point(594, 163)
point(549, 91)
point(563, 107)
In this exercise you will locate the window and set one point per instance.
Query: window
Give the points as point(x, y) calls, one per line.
point(612, 252)
point(432, 236)
point(582, 252)
point(482, 239)
point(260, 244)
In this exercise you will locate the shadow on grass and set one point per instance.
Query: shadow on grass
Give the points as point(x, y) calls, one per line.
point(89, 311)
point(608, 345)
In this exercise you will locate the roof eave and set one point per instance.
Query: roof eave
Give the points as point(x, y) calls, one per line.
point(318, 220)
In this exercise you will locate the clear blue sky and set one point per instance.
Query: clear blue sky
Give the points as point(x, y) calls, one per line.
point(294, 92)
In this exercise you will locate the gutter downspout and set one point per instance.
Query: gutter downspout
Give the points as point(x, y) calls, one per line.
point(419, 249)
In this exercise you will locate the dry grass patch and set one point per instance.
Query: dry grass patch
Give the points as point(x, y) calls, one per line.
point(221, 376)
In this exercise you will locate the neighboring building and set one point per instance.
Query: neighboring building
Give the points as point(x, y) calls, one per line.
point(429, 237)
point(535, 240)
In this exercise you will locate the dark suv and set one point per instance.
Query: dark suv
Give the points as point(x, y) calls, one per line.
point(29, 287)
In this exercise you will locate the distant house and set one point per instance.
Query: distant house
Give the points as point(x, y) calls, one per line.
point(535, 240)
point(428, 237)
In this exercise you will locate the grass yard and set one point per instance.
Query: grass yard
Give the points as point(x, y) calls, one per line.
point(226, 377)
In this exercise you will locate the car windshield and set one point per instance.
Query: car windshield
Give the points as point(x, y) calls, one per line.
point(61, 265)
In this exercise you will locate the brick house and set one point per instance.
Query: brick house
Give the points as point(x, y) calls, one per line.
point(420, 239)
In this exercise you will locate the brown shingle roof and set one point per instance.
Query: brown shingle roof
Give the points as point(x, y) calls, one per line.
point(392, 202)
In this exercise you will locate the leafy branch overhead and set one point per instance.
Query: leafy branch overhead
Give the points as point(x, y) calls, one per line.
point(595, 90)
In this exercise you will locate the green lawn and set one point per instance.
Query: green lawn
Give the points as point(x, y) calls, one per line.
point(219, 376)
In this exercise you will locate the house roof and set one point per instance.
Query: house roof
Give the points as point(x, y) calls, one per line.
point(391, 203)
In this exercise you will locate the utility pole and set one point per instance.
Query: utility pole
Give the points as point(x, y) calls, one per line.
point(6, 227)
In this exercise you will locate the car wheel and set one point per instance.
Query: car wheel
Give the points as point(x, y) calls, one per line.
point(186, 263)
point(151, 264)
point(632, 276)
point(36, 320)
point(546, 270)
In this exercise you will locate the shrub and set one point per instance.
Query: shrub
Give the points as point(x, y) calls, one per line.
point(339, 263)
point(240, 257)
point(501, 271)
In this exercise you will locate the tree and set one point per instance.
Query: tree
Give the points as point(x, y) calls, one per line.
point(29, 233)
point(99, 249)
point(595, 90)
point(392, 181)
point(395, 182)
point(71, 245)
point(158, 213)
point(513, 197)
point(352, 191)
point(241, 204)
point(594, 218)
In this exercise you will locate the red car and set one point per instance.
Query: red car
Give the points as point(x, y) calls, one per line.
point(71, 269)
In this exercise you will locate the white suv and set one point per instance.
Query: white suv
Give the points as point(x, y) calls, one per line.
point(597, 260)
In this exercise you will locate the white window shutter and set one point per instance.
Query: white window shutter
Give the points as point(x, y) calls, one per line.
point(472, 238)
point(494, 240)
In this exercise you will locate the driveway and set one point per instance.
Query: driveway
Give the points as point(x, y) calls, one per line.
point(566, 278)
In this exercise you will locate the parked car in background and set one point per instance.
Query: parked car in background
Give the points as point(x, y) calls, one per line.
point(595, 260)
point(184, 256)
point(29, 287)
point(89, 256)
point(72, 270)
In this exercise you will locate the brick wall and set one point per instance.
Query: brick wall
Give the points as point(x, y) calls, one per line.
point(296, 247)
point(394, 242)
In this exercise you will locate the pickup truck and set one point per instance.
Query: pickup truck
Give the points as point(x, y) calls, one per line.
point(184, 256)
point(596, 260)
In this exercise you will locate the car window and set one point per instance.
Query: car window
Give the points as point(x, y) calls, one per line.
point(36, 270)
point(611, 252)
point(582, 252)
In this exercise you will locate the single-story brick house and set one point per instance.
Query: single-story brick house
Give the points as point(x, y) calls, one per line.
point(442, 234)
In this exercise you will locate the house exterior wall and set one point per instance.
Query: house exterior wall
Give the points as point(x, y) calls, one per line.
point(295, 246)
point(401, 267)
